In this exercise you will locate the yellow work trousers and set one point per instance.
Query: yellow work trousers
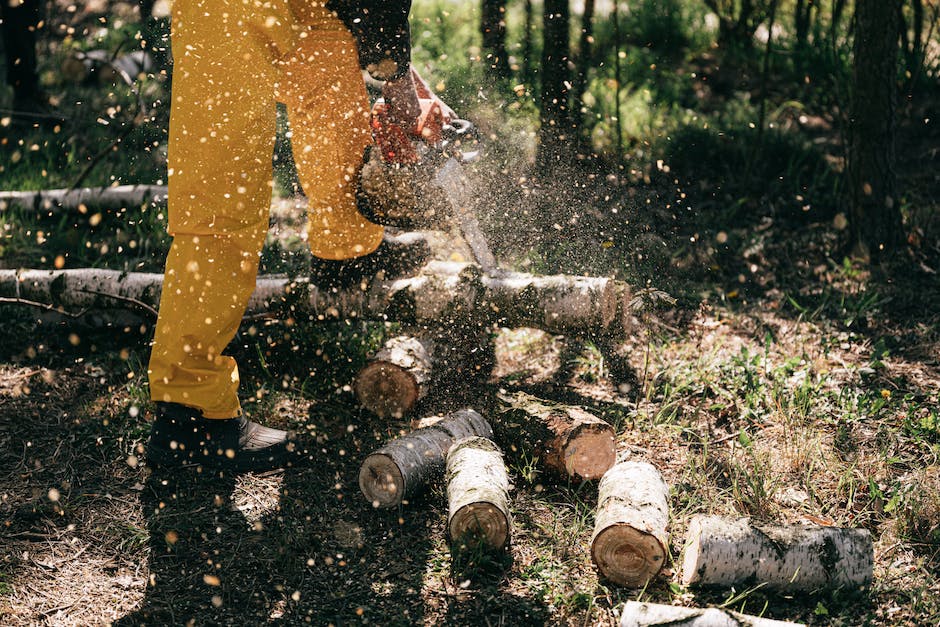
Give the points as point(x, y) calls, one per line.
point(233, 60)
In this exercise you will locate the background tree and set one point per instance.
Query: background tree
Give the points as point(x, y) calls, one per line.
point(554, 118)
point(585, 61)
point(737, 21)
point(875, 216)
point(493, 29)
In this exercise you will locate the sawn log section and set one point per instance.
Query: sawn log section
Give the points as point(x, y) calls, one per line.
point(725, 552)
point(568, 440)
point(636, 614)
point(478, 493)
point(442, 291)
point(404, 466)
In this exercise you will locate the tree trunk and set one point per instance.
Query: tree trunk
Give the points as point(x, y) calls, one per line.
point(721, 552)
point(566, 439)
point(527, 50)
point(443, 293)
point(404, 466)
point(493, 29)
point(396, 377)
point(553, 149)
point(630, 542)
point(478, 493)
point(636, 614)
point(584, 64)
point(90, 200)
point(875, 214)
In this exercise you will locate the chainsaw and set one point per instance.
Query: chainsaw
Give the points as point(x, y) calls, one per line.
point(414, 179)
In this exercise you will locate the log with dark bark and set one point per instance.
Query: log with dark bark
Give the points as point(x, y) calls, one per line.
point(723, 552)
point(90, 199)
point(630, 542)
point(396, 377)
point(478, 493)
point(404, 466)
point(442, 293)
point(636, 614)
point(568, 440)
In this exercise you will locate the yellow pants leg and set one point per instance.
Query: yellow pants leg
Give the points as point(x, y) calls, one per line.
point(222, 126)
point(328, 109)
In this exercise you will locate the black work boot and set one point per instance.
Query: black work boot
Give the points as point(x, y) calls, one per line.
point(180, 437)
point(396, 256)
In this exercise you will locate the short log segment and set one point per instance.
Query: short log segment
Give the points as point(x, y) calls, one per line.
point(630, 541)
point(478, 493)
point(568, 440)
point(404, 466)
point(396, 377)
point(442, 293)
point(110, 199)
point(636, 614)
point(722, 552)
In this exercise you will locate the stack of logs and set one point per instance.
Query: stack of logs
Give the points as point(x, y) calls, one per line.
point(447, 313)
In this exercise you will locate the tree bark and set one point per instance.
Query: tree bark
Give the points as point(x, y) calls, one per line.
point(493, 29)
point(478, 493)
point(568, 440)
point(553, 149)
point(874, 209)
point(630, 542)
point(584, 64)
point(404, 466)
point(396, 377)
point(721, 552)
point(636, 614)
point(443, 293)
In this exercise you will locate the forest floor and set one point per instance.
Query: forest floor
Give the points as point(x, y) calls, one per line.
point(767, 374)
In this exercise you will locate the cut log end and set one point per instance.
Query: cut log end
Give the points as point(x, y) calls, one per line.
point(381, 481)
point(480, 521)
point(590, 452)
point(627, 556)
point(387, 390)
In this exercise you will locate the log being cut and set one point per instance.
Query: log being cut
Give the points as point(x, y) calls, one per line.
point(569, 440)
point(723, 552)
point(404, 466)
point(630, 542)
point(443, 291)
point(636, 614)
point(396, 377)
point(86, 199)
point(478, 493)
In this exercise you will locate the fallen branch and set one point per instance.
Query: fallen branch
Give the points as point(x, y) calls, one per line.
point(478, 493)
point(630, 542)
point(441, 293)
point(567, 439)
point(636, 614)
point(722, 552)
point(404, 466)
point(97, 199)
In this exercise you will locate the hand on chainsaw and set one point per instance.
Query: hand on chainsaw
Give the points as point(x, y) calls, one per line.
point(401, 97)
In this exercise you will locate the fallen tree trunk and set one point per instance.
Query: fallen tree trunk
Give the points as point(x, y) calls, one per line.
point(630, 542)
point(404, 466)
point(478, 493)
point(396, 377)
point(722, 552)
point(567, 439)
point(636, 614)
point(111, 199)
point(442, 292)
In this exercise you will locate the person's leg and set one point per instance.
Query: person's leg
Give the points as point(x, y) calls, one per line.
point(222, 126)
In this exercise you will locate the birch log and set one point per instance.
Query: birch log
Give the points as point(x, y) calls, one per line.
point(630, 541)
point(404, 466)
point(478, 493)
point(722, 552)
point(636, 614)
point(567, 439)
point(97, 199)
point(396, 377)
point(443, 291)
